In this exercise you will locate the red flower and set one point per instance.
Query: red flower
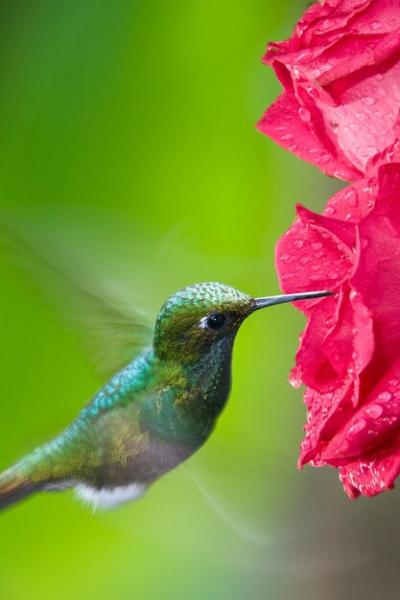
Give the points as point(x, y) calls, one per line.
point(340, 71)
point(349, 356)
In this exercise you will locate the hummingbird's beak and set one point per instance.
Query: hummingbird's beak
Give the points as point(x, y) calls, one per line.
point(271, 300)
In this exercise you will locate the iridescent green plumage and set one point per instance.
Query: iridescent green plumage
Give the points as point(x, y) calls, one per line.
point(154, 413)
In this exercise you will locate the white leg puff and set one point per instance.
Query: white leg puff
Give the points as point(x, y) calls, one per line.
point(109, 497)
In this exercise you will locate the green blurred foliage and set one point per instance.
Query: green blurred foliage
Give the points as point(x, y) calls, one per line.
point(128, 142)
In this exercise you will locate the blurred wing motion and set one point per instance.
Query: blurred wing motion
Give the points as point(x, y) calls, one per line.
point(113, 331)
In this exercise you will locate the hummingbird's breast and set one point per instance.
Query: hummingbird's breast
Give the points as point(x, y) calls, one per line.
point(196, 395)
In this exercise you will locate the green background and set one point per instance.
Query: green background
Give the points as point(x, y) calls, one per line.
point(128, 143)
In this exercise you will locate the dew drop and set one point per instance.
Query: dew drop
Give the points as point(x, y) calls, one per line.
point(304, 114)
point(357, 427)
point(286, 137)
point(333, 275)
point(330, 210)
point(304, 260)
point(298, 243)
point(352, 198)
point(344, 446)
point(372, 150)
point(384, 396)
point(324, 158)
point(374, 411)
point(313, 92)
point(295, 380)
point(372, 432)
point(296, 71)
point(375, 25)
point(369, 100)
point(286, 258)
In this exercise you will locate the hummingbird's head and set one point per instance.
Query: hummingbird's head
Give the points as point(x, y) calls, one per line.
point(195, 319)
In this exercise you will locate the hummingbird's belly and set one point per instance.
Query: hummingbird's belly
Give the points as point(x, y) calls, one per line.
point(119, 479)
point(130, 455)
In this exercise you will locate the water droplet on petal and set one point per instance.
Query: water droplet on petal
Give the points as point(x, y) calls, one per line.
point(324, 158)
point(333, 275)
point(374, 411)
point(375, 25)
point(295, 379)
point(313, 92)
point(344, 446)
point(352, 197)
point(384, 396)
point(372, 150)
point(286, 258)
point(286, 137)
point(304, 114)
point(330, 210)
point(357, 427)
point(316, 245)
point(296, 71)
point(369, 100)
point(298, 243)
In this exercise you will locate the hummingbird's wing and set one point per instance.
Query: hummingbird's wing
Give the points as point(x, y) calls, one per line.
point(112, 330)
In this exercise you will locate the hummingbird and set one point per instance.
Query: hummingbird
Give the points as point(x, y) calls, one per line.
point(156, 411)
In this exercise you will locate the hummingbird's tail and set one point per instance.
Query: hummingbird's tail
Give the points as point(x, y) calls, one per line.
point(40, 471)
point(15, 486)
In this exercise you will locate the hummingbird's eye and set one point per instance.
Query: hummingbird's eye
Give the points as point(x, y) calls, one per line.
point(216, 320)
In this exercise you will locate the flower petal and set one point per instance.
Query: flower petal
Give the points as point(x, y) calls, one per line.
point(341, 70)
point(285, 122)
point(311, 254)
point(371, 476)
point(372, 425)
